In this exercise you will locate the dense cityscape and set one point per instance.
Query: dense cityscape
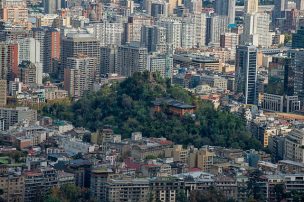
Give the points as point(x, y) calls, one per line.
point(151, 100)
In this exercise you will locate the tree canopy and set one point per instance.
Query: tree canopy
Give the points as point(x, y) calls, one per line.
point(127, 107)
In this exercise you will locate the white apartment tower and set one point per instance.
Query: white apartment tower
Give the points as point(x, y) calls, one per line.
point(108, 33)
point(29, 50)
point(256, 30)
point(131, 59)
point(173, 31)
point(188, 34)
point(80, 74)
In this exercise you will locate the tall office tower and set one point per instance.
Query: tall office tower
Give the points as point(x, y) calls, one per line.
point(158, 9)
point(51, 49)
point(14, 11)
point(251, 6)
point(108, 32)
point(3, 92)
point(154, 38)
point(216, 25)
point(75, 44)
point(246, 73)
point(230, 41)
point(162, 64)
point(290, 21)
point(51, 6)
point(29, 50)
point(256, 30)
point(188, 35)
point(300, 5)
point(30, 73)
point(282, 69)
point(279, 8)
point(8, 60)
point(80, 74)
point(298, 39)
point(132, 29)
point(131, 59)
point(297, 56)
point(108, 59)
point(226, 8)
point(173, 32)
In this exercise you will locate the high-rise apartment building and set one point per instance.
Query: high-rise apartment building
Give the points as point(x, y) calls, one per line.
point(216, 25)
point(80, 74)
point(256, 30)
point(108, 33)
point(12, 185)
point(49, 40)
point(14, 11)
point(132, 29)
point(188, 33)
point(13, 33)
point(75, 44)
point(3, 92)
point(251, 6)
point(172, 4)
point(158, 8)
point(51, 6)
point(8, 60)
point(230, 40)
point(108, 59)
point(162, 64)
point(30, 73)
point(131, 59)
point(38, 182)
point(226, 8)
point(246, 73)
point(173, 31)
point(12, 116)
point(51, 49)
point(294, 143)
point(297, 57)
point(200, 29)
point(29, 50)
point(39, 34)
point(154, 38)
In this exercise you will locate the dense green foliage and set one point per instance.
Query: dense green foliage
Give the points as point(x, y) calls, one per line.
point(127, 107)
point(209, 195)
point(68, 193)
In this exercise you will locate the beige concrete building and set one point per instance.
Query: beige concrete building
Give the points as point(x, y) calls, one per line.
point(294, 146)
point(13, 187)
point(201, 158)
point(3, 87)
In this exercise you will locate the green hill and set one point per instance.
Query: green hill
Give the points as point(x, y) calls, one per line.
point(127, 107)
